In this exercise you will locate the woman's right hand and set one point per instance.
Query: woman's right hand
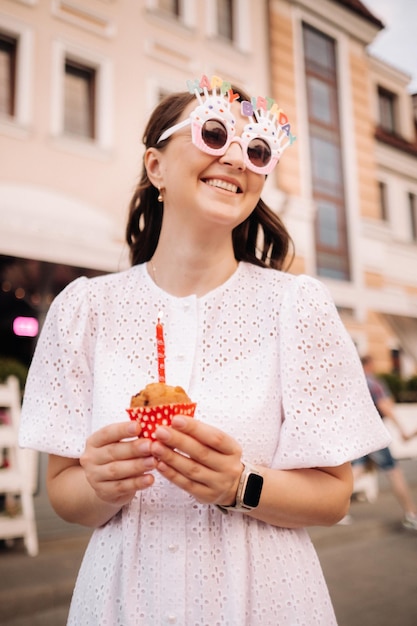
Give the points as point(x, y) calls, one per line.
point(115, 464)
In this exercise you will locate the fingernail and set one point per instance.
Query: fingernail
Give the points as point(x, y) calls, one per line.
point(162, 433)
point(162, 467)
point(178, 421)
point(157, 450)
point(132, 428)
point(144, 447)
point(149, 462)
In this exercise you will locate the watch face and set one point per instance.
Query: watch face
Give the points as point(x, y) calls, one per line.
point(253, 490)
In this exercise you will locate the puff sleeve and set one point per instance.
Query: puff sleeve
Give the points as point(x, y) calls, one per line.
point(328, 414)
point(56, 411)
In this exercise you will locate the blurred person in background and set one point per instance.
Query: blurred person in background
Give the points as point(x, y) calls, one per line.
point(383, 459)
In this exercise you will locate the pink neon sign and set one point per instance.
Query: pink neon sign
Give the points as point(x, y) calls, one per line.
point(25, 326)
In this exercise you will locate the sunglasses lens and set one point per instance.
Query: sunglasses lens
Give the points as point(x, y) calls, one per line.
point(214, 134)
point(259, 152)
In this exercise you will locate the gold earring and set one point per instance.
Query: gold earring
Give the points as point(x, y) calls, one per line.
point(161, 197)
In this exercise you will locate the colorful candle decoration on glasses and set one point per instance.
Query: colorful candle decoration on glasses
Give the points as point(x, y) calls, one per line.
point(160, 347)
point(263, 112)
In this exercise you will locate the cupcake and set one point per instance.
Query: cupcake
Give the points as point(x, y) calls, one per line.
point(156, 405)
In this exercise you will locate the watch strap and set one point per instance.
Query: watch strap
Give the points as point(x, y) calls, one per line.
point(240, 504)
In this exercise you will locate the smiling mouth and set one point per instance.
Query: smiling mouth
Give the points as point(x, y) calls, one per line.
point(222, 184)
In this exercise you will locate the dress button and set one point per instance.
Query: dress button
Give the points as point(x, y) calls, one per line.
point(173, 547)
point(181, 357)
point(172, 619)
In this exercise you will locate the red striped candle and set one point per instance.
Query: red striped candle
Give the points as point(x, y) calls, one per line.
point(160, 347)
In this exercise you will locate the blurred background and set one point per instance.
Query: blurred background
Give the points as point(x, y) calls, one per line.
point(78, 79)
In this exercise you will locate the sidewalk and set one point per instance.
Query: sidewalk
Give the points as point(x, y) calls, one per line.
point(370, 567)
point(36, 591)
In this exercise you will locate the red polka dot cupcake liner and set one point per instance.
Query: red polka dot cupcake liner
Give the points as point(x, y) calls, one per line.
point(149, 417)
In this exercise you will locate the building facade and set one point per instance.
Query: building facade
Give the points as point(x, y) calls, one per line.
point(350, 184)
point(78, 80)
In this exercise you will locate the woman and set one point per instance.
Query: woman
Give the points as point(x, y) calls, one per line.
point(204, 525)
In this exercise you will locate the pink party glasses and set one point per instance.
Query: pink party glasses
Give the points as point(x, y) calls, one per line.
point(213, 126)
point(214, 137)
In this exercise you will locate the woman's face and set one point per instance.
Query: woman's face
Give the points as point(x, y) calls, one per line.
point(219, 190)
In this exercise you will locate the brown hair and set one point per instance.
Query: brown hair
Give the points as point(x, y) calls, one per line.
point(261, 239)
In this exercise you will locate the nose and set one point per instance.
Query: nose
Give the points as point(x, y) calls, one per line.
point(234, 155)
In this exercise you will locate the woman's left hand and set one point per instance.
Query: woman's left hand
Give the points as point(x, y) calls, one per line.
point(206, 463)
point(200, 459)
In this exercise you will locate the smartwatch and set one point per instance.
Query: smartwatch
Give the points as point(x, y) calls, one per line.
point(248, 491)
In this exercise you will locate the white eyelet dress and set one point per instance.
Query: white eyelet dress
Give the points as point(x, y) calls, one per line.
point(267, 359)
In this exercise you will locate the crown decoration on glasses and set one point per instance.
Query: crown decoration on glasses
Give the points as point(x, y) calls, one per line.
point(264, 115)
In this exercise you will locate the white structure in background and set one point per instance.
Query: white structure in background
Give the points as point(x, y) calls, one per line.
point(19, 477)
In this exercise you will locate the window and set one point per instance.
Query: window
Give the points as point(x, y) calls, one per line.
point(412, 203)
point(387, 103)
point(331, 236)
point(396, 361)
point(181, 12)
point(383, 203)
point(170, 6)
point(225, 19)
point(8, 54)
point(79, 99)
point(230, 23)
point(16, 76)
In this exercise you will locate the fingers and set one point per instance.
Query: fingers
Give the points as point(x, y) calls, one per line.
point(114, 432)
point(117, 465)
point(206, 445)
point(128, 467)
point(205, 484)
point(122, 491)
point(197, 431)
point(122, 450)
point(109, 444)
point(198, 458)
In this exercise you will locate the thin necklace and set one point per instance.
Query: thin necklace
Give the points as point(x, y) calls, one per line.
point(153, 271)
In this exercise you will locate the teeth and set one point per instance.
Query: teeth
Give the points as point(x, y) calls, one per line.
point(222, 184)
